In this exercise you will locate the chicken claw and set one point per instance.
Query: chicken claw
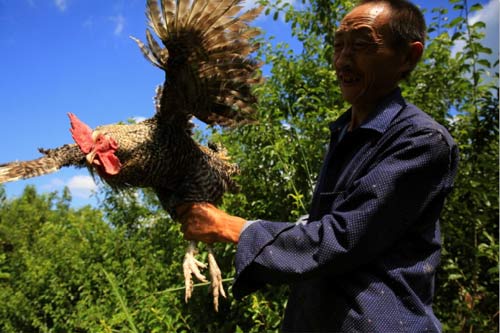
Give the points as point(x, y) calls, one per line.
point(191, 266)
point(215, 278)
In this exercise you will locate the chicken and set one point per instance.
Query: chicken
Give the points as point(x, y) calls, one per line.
point(206, 56)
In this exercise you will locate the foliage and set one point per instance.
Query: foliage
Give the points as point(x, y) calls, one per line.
point(117, 268)
point(461, 91)
point(72, 270)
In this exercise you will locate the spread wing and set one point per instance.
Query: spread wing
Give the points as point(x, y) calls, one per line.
point(206, 58)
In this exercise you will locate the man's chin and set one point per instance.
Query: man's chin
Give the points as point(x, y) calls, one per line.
point(352, 96)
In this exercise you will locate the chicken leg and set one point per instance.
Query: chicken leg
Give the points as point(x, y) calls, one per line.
point(191, 266)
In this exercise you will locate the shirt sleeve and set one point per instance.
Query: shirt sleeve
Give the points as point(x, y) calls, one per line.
point(404, 183)
point(246, 225)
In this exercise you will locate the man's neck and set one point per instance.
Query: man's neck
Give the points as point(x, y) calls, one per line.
point(359, 114)
point(360, 111)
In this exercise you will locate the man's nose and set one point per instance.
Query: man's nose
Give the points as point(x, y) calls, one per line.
point(343, 57)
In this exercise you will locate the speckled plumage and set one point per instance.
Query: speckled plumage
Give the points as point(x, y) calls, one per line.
point(208, 75)
point(167, 159)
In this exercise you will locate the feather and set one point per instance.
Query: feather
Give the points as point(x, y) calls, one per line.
point(53, 160)
point(147, 53)
point(157, 98)
point(155, 19)
point(22, 170)
point(168, 7)
point(251, 14)
point(182, 12)
point(161, 55)
point(220, 9)
point(196, 11)
point(231, 11)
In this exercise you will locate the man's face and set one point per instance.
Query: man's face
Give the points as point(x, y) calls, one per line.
point(367, 67)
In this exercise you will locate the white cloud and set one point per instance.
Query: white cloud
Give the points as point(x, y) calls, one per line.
point(61, 4)
point(80, 186)
point(54, 184)
point(138, 119)
point(119, 22)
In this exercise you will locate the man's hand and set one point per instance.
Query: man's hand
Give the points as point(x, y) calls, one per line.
point(206, 223)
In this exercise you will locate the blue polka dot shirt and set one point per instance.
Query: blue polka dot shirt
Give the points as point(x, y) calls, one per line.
point(365, 260)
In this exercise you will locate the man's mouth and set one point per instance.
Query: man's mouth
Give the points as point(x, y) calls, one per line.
point(349, 78)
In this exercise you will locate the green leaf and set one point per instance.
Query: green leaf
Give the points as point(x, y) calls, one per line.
point(475, 7)
point(484, 62)
point(455, 22)
point(479, 25)
point(484, 49)
point(457, 35)
point(453, 277)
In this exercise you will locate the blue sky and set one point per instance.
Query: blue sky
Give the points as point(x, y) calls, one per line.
point(60, 56)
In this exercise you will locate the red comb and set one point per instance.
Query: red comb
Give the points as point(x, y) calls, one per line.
point(82, 133)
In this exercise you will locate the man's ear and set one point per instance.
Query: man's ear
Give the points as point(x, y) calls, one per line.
point(415, 51)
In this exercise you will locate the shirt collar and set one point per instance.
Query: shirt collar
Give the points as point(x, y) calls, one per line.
point(378, 120)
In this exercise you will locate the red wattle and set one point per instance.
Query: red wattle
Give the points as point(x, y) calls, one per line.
point(110, 163)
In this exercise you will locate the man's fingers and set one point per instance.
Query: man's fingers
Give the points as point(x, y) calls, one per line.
point(192, 231)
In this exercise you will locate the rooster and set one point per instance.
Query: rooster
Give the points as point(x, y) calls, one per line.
point(209, 73)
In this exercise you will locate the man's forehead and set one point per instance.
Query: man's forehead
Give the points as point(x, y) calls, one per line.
point(364, 16)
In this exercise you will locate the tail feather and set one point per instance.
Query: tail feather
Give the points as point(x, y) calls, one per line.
point(207, 56)
point(53, 160)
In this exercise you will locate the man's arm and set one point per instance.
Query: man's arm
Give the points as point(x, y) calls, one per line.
point(410, 179)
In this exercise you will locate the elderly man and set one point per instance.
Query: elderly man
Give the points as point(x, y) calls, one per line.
point(366, 258)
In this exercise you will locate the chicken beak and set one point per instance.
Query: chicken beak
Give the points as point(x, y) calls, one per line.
point(90, 156)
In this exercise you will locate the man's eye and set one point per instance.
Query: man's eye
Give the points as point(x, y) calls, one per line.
point(360, 43)
point(338, 46)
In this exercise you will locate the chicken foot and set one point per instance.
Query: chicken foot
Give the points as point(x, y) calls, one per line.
point(191, 266)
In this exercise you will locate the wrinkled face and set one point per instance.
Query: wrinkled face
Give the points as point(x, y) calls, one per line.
point(367, 67)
